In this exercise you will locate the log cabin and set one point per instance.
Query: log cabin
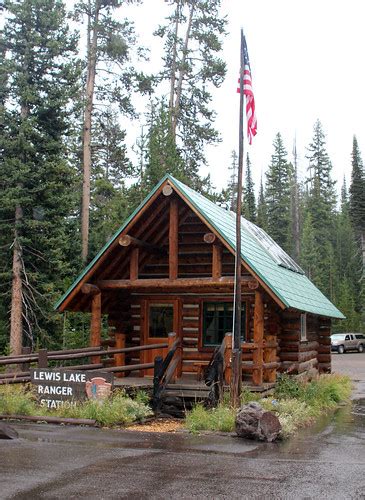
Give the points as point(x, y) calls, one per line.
point(170, 268)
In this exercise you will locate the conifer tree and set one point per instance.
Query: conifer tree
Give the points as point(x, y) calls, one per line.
point(249, 201)
point(320, 204)
point(193, 39)
point(295, 206)
point(357, 212)
point(278, 196)
point(232, 183)
point(261, 220)
point(109, 79)
point(37, 192)
point(162, 154)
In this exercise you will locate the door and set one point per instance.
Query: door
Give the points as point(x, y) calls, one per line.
point(161, 317)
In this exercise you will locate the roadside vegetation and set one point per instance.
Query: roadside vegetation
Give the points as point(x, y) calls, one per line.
point(119, 409)
point(295, 403)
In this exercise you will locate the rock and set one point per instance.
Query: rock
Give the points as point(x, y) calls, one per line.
point(7, 432)
point(252, 422)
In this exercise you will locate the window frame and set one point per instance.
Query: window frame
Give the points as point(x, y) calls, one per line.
point(303, 327)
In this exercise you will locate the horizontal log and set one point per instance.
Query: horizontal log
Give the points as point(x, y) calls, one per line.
point(91, 366)
point(167, 190)
point(14, 380)
point(323, 349)
point(126, 240)
point(53, 420)
point(171, 283)
point(324, 367)
point(90, 289)
point(324, 358)
point(307, 365)
point(209, 238)
point(324, 340)
point(129, 368)
point(165, 283)
point(14, 375)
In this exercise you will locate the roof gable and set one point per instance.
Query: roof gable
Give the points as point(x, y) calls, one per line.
point(292, 289)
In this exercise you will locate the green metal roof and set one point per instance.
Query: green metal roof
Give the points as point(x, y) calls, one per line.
point(294, 290)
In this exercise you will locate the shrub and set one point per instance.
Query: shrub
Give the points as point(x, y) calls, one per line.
point(118, 409)
point(221, 418)
point(296, 403)
point(16, 400)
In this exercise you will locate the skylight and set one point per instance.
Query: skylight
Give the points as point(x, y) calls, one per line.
point(272, 248)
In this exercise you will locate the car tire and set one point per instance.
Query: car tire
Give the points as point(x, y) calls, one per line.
point(360, 348)
point(341, 349)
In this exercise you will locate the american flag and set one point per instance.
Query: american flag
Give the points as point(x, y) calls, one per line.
point(248, 92)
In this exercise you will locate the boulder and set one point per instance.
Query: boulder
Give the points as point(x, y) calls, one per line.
point(7, 432)
point(253, 422)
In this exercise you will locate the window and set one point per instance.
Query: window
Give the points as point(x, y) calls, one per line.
point(218, 320)
point(303, 327)
point(160, 320)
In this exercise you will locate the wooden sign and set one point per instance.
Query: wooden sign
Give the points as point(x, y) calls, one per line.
point(58, 387)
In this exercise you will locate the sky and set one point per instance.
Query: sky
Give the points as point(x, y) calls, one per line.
point(307, 62)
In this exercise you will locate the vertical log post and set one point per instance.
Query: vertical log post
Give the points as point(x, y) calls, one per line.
point(171, 340)
point(42, 358)
point(25, 366)
point(228, 358)
point(95, 327)
point(217, 261)
point(133, 265)
point(258, 337)
point(270, 357)
point(173, 239)
point(119, 358)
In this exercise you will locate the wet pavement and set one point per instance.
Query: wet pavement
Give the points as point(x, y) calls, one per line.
point(325, 461)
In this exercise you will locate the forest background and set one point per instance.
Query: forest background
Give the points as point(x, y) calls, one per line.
point(68, 176)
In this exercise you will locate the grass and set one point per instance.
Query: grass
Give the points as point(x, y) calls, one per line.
point(295, 403)
point(119, 409)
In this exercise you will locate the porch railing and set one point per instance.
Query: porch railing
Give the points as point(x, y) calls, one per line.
point(44, 358)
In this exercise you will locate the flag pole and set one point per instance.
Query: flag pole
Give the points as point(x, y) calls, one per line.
point(237, 307)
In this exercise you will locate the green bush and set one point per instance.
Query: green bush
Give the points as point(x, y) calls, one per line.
point(16, 400)
point(295, 403)
point(118, 409)
point(221, 418)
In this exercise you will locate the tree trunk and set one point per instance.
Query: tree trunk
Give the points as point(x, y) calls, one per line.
point(176, 107)
point(362, 243)
point(295, 208)
point(90, 84)
point(173, 65)
point(16, 320)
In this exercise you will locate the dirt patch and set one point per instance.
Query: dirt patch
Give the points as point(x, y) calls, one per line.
point(158, 425)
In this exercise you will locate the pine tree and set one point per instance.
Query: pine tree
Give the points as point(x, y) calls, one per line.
point(309, 251)
point(37, 194)
point(278, 195)
point(193, 39)
point(320, 204)
point(162, 154)
point(295, 206)
point(261, 220)
point(249, 201)
point(109, 78)
point(357, 213)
